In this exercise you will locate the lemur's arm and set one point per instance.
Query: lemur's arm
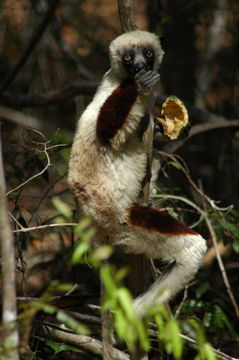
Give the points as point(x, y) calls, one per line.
point(123, 109)
point(115, 111)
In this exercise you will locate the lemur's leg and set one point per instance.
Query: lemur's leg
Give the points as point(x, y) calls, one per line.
point(158, 235)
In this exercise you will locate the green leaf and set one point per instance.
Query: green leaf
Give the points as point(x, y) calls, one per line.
point(57, 348)
point(100, 254)
point(79, 252)
point(121, 274)
point(176, 164)
point(199, 332)
point(49, 309)
point(125, 299)
point(84, 223)
point(233, 228)
point(120, 324)
point(174, 344)
point(160, 325)
point(63, 208)
point(208, 352)
point(207, 319)
point(107, 277)
point(235, 245)
point(143, 335)
point(221, 320)
point(71, 323)
point(201, 290)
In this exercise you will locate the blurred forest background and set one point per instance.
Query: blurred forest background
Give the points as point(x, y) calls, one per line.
point(52, 56)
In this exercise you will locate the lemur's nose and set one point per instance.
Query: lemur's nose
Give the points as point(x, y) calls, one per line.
point(139, 66)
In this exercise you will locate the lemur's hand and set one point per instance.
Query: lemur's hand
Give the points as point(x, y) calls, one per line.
point(146, 80)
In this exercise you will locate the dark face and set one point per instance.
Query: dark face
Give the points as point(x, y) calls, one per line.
point(138, 58)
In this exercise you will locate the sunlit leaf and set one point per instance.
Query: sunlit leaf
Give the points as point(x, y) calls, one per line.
point(63, 208)
point(57, 347)
point(101, 253)
point(208, 352)
point(108, 280)
point(176, 164)
point(71, 323)
point(125, 300)
point(79, 252)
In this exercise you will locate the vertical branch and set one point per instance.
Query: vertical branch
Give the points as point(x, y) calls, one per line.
point(127, 15)
point(107, 329)
point(138, 280)
point(9, 311)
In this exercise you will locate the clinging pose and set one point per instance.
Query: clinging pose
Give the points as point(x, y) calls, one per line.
point(109, 163)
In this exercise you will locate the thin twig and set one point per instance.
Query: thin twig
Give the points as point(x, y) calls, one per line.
point(179, 308)
point(51, 97)
point(40, 227)
point(221, 265)
point(50, 187)
point(35, 175)
point(218, 353)
point(214, 240)
point(184, 168)
point(45, 150)
point(19, 118)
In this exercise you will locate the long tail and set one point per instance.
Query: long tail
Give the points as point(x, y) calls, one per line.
point(184, 266)
point(163, 237)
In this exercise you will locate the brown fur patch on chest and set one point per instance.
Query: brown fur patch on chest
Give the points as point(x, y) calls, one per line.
point(115, 110)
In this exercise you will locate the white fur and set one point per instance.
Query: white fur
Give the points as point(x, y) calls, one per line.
point(107, 180)
point(133, 39)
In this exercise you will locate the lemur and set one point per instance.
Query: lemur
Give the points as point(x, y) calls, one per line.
point(108, 166)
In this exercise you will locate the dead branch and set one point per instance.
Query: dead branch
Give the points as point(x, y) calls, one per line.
point(82, 342)
point(9, 310)
point(36, 37)
point(140, 270)
point(106, 331)
point(19, 118)
point(50, 98)
point(214, 122)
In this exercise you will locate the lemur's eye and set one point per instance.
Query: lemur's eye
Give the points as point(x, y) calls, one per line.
point(149, 54)
point(127, 58)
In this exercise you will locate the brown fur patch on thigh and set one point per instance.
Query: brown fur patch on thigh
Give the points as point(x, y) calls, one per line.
point(155, 220)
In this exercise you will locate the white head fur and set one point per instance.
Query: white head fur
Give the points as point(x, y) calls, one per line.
point(133, 39)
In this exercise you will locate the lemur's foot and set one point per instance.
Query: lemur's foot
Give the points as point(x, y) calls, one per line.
point(146, 80)
point(174, 117)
